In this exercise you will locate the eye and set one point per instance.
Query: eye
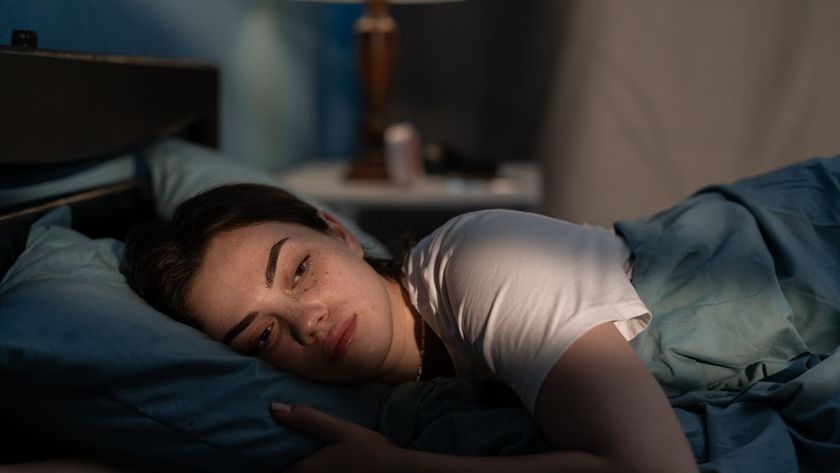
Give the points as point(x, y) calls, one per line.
point(301, 270)
point(263, 340)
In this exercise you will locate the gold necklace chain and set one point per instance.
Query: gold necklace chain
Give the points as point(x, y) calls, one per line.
point(422, 348)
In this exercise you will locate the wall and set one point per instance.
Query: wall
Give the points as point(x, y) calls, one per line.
point(474, 75)
point(654, 99)
point(276, 59)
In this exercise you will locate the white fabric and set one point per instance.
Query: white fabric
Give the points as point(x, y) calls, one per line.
point(508, 292)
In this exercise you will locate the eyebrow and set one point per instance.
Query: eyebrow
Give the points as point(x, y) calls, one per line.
point(271, 265)
point(270, 268)
point(239, 327)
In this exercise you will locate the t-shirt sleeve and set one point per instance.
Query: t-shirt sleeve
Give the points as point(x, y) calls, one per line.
point(515, 290)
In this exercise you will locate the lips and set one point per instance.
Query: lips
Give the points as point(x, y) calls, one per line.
point(339, 339)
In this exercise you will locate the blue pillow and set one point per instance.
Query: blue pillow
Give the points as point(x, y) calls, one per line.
point(85, 361)
point(180, 169)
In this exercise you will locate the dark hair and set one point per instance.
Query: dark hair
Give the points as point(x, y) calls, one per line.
point(160, 259)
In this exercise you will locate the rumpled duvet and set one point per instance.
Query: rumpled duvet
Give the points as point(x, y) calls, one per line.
point(743, 281)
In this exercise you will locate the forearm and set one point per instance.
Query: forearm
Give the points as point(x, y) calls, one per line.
point(556, 462)
point(67, 465)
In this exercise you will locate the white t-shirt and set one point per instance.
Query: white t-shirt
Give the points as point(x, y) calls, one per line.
point(508, 292)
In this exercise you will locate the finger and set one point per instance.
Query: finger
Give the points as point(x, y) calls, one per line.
point(320, 424)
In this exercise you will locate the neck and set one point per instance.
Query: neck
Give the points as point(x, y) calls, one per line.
point(404, 357)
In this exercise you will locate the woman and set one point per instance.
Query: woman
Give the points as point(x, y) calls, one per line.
point(543, 305)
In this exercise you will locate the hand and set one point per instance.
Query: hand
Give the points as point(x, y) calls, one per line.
point(350, 448)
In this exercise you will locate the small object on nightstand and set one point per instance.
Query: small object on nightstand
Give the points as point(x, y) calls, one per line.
point(402, 154)
point(444, 159)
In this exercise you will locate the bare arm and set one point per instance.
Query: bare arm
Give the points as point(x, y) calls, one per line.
point(353, 448)
point(599, 398)
point(67, 465)
point(599, 407)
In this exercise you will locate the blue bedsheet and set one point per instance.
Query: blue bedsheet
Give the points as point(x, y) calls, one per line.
point(741, 278)
point(787, 423)
point(743, 281)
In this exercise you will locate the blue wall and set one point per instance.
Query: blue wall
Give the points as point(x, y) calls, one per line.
point(288, 70)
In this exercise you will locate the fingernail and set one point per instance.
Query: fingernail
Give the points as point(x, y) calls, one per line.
point(280, 408)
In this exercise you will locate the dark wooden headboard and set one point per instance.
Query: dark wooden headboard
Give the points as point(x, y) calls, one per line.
point(64, 109)
point(61, 107)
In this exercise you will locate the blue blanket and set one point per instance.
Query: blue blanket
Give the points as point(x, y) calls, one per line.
point(743, 282)
point(741, 279)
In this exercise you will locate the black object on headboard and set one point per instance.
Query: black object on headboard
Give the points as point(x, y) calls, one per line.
point(62, 108)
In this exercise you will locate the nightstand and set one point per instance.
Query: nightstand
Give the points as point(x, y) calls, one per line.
point(390, 212)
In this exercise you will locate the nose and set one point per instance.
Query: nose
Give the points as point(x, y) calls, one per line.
point(307, 323)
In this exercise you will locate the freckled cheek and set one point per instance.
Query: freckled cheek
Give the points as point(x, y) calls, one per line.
point(347, 280)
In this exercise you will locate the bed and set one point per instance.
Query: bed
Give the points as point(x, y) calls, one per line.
point(87, 367)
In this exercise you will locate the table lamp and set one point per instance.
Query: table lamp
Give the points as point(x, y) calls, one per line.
point(376, 45)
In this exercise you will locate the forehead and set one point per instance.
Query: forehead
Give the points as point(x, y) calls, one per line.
point(253, 237)
point(245, 250)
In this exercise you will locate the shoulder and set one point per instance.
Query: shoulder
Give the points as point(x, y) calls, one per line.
point(508, 237)
point(472, 242)
point(488, 224)
point(507, 229)
point(481, 253)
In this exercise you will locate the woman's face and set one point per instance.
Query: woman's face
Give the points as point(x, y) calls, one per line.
point(304, 301)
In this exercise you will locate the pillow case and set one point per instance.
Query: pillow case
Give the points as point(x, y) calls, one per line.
point(87, 363)
point(180, 170)
point(25, 184)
